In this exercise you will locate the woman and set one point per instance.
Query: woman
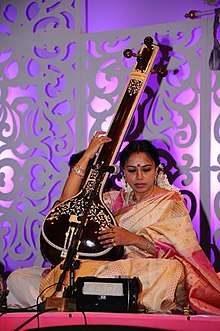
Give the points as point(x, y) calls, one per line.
point(161, 248)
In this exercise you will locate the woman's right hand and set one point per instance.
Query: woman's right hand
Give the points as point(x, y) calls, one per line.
point(74, 180)
point(99, 139)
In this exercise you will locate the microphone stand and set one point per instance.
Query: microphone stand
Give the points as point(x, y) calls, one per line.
point(71, 263)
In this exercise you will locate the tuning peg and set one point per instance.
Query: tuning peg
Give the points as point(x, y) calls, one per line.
point(148, 41)
point(192, 14)
point(128, 53)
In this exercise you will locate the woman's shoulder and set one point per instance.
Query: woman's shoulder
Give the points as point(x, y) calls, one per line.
point(175, 201)
point(174, 194)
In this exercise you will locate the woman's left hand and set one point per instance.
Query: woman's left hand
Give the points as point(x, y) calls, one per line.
point(116, 236)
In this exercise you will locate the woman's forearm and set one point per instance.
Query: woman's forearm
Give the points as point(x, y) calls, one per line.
point(74, 180)
point(144, 244)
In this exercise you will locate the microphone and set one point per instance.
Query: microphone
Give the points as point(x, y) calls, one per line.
point(112, 169)
point(198, 13)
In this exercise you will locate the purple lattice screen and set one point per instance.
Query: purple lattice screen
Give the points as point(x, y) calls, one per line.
point(58, 85)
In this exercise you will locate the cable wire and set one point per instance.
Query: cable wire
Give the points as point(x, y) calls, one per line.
point(32, 318)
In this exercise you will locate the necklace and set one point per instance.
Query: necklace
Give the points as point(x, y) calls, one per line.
point(132, 198)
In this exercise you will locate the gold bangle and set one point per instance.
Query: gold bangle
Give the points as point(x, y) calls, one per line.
point(78, 170)
point(150, 247)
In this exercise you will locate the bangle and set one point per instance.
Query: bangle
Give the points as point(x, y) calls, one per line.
point(150, 248)
point(78, 170)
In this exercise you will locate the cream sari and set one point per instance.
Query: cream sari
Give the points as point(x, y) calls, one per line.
point(165, 221)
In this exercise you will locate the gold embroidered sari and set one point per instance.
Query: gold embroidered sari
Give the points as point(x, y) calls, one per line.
point(165, 221)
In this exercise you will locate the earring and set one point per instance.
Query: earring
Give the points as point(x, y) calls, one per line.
point(162, 181)
point(125, 185)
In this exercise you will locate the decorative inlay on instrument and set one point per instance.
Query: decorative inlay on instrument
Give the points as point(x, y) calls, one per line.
point(87, 208)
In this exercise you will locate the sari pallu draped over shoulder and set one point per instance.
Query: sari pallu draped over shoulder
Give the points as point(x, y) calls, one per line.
point(164, 220)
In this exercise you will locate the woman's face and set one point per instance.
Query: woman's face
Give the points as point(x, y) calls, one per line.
point(140, 172)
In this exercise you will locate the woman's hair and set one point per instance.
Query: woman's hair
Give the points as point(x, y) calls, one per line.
point(139, 146)
point(74, 159)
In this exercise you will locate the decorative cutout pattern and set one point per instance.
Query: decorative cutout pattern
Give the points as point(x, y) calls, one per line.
point(58, 83)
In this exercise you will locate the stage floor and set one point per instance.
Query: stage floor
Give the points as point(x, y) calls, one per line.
point(13, 321)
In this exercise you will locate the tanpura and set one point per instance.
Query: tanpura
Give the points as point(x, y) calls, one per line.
point(79, 219)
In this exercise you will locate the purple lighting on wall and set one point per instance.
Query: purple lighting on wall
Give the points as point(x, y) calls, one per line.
point(10, 13)
point(33, 68)
point(59, 85)
point(11, 70)
point(32, 10)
